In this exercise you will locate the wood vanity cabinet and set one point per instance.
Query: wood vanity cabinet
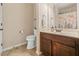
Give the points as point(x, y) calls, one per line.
point(45, 46)
point(58, 45)
point(62, 50)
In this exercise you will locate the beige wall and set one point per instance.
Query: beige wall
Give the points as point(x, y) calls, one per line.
point(17, 17)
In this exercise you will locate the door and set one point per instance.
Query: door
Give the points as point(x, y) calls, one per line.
point(62, 50)
point(1, 28)
point(45, 45)
point(0, 41)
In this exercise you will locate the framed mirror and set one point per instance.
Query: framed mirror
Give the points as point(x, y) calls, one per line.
point(66, 15)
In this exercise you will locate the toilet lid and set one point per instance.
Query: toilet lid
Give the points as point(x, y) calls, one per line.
point(31, 37)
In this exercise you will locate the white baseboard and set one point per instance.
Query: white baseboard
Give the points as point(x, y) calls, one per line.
point(20, 44)
point(5, 49)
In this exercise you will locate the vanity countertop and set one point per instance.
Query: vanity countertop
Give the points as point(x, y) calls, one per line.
point(70, 33)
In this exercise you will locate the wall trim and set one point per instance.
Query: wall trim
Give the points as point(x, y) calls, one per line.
point(5, 49)
point(38, 53)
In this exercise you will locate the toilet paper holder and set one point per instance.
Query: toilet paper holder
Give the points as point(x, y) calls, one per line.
point(21, 31)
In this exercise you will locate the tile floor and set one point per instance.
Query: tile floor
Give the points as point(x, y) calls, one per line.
point(20, 51)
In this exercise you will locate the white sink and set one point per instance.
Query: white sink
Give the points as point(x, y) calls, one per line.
point(70, 33)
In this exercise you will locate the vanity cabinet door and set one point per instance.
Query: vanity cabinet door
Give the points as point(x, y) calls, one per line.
point(77, 50)
point(62, 50)
point(45, 45)
point(77, 47)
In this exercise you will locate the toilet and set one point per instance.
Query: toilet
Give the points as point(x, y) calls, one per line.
point(31, 41)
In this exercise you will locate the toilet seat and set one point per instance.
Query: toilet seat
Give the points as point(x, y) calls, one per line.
point(30, 37)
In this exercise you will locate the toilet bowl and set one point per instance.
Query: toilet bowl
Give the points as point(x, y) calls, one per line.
point(31, 41)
